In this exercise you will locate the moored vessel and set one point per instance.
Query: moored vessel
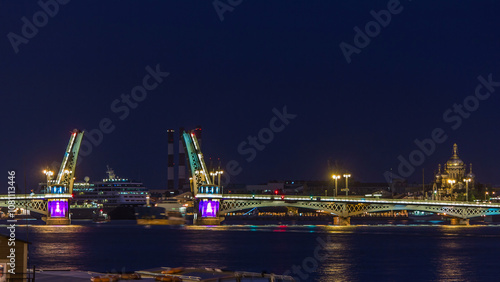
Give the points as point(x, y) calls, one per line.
point(158, 216)
point(117, 197)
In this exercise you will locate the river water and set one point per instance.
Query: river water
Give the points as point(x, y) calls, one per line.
point(376, 252)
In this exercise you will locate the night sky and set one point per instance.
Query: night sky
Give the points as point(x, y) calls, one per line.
point(229, 75)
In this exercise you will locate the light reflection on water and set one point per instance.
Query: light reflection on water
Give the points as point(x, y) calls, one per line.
point(48, 247)
point(451, 263)
point(354, 253)
point(338, 264)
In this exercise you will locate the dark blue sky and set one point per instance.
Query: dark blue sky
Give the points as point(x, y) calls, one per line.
point(228, 76)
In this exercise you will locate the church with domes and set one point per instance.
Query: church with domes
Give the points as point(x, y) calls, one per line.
point(451, 183)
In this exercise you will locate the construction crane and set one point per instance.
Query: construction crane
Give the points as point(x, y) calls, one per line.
point(200, 178)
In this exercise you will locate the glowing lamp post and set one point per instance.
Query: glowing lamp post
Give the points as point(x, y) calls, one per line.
point(347, 184)
point(213, 174)
point(451, 185)
point(335, 177)
point(49, 174)
point(219, 173)
point(467, 189)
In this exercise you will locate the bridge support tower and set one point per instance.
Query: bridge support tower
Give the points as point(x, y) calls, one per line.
point(60, 190)
point(343, 219)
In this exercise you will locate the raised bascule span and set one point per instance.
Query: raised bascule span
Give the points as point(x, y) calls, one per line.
point(54, 204)
point(211, 205)
point(201, 183)
point(66, 174)
point(198, 168)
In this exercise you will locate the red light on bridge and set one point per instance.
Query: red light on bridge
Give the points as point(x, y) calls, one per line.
point(282, 197)
point(276, 192)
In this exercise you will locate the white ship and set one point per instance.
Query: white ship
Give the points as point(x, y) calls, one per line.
point(116, 196)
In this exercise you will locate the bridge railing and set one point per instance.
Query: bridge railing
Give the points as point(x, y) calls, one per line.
point(344, 199)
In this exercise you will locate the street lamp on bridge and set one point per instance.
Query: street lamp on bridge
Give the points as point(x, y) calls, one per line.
point(219, 173)
point(213, 174)
point(451, 181)
point(467, 189)
point(336, 177)
point(49, 174)
point(347, 184)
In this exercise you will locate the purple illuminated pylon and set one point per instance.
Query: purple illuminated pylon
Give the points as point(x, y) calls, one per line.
point(209, 208)
point(58, 208)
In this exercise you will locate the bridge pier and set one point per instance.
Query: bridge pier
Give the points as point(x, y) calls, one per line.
point(459, 221)
point(57, 221)
point(208, 220)
point(342, 221)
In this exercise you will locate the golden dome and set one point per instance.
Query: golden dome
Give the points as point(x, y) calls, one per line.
point(454, 161)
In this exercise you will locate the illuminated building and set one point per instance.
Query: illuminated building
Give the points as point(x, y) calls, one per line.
point(453, 179)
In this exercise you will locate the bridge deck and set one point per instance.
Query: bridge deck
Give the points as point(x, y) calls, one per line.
point(351, 200)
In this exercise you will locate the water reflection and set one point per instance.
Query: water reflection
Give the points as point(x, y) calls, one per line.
point(353, 253)
point(48, 248)
point(205, 250)
point(339, 263)
point(451, 263)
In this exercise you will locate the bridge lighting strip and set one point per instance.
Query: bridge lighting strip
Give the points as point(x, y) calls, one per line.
point(209, 196)
point(34, 197)
point(331, 199)
point(58, 196)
